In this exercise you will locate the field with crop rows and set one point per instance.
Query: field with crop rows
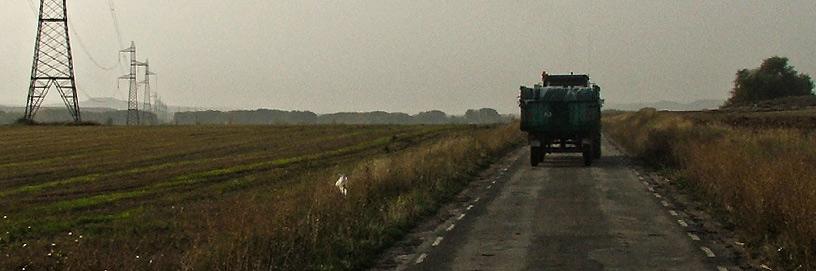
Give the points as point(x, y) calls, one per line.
point(147, 197)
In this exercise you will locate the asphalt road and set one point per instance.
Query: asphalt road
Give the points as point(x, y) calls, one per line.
point(564, 216)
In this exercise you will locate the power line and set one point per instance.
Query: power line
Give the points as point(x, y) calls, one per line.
point(81, 43)
point(116, 23)
point(33, 9)
point(88, 53)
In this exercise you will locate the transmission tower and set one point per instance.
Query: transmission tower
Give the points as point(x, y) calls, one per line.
point(146, 104)
point(53, 65)
point(133, 86)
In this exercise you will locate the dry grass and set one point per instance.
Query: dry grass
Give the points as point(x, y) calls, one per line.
point(762, 178)
point(226, 198)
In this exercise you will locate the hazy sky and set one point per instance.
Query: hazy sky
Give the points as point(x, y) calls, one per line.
point(415, 55)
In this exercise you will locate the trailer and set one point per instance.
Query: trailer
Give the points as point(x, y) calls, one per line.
point(562, 115)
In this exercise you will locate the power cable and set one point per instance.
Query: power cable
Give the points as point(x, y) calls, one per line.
point(33, 9)
point(116, 23)
point(88, 53)
point(82, 45)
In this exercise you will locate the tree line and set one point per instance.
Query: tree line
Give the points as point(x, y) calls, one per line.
point(270, 116)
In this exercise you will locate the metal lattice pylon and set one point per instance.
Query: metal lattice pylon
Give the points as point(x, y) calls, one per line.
point(133, 85)
point(53, 65)
point(146, 103)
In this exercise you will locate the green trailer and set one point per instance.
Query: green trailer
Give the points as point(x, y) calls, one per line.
point(562, 115)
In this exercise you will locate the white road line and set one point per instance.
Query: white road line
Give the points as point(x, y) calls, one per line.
point(657, 195)
point(421, 258)
point(651, 189)
point(708, 252)
point(437, 241)
point(693, 236)
point(460, 217)
point(494, 182)
point(640, 178)
point(673, 213)
point(664, 203)
point(645, 183)
point(490, 187)
point(470, 207)
point(720, 268)
point(450, 227)
point(476, 200)
point(682, 223)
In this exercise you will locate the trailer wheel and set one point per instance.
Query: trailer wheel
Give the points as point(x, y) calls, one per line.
point(596, 148)
point(588, 153)
point(535, 156)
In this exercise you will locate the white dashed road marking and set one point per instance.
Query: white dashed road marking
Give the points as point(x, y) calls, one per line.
point(470, 207)
point(476, 200)
point(460, 217)
point(450, 227)
point(421, 258)
point(720, 268)
point(682, 223)
point(664, 203)
point(708, 252)
point(437, 241)
point(658, 195)
point(694, 237)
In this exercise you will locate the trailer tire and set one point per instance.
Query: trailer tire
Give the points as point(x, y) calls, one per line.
point(535, 156)
point(596, 148)
point(588, 154)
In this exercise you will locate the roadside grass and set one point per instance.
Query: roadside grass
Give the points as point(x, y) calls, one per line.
point(311, 226)
point(761, 178)
point(186, 214)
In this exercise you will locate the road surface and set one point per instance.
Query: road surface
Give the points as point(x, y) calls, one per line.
point(564, 216)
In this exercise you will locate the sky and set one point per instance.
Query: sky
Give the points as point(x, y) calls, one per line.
point(412, 55)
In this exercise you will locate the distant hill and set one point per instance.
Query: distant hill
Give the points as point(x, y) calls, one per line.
point(667, 105)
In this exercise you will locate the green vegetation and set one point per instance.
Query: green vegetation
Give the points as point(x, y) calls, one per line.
point(225, 197)
point(759, 176)
point(773, 79)
point(266, 116)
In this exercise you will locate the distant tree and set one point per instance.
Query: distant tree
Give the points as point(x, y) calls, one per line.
point(773, 79)
point(483, 116)
point(431, 117)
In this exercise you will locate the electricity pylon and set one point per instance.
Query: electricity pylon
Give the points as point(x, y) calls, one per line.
point(53, 65)
point(133, 86)
point(146, 104)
